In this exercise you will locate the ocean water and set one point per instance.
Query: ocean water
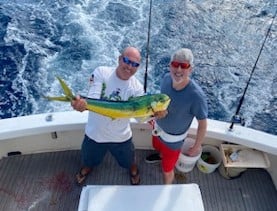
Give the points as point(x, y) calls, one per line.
point(232, 41)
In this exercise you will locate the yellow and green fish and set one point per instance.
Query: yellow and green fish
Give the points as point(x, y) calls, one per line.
point(143, 106)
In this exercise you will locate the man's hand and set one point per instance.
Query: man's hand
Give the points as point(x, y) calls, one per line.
point(79, 104)
point(194, 151)
point(160, 114)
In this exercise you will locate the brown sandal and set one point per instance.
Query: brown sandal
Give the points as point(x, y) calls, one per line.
point(134, 175)
point(82, 175)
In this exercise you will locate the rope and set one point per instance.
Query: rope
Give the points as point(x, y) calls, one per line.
point(147, 48)
point(236, 118)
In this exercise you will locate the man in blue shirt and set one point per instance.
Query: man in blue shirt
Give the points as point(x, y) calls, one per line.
point(188, 101)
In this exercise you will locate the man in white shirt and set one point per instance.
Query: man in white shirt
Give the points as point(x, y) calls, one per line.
point(102, 133)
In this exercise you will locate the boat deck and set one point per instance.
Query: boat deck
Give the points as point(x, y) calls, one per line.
point(45, 181)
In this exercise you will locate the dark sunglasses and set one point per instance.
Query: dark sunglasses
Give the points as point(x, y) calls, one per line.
point(176, 64)
point(126, 60)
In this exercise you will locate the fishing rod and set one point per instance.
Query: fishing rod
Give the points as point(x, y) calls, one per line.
point(147, 48)
point(237, 118)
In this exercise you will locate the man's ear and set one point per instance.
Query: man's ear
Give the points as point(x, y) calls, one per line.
point(120, 57)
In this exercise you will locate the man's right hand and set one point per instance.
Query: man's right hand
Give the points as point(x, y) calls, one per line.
point(160, 114)
point(79, 104)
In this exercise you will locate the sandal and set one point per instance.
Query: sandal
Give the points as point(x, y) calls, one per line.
point(82, 175)
point(134, 176)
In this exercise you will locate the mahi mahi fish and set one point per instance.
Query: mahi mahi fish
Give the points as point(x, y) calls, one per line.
point(142, 106)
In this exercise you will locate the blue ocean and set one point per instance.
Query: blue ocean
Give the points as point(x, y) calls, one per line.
point(234, 44)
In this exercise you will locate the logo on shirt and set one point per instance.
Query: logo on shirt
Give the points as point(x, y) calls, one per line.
point(115, 95)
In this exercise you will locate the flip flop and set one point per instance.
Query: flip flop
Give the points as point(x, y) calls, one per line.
point(82, 175)
point(135, 177)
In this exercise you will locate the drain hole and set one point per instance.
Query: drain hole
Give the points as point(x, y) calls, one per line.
point(14, 153)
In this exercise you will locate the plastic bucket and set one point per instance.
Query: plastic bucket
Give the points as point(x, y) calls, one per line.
point(230, 172)
point(212, 160)
point(186, 163)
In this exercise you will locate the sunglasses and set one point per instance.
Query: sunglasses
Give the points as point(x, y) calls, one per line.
point(126, 60)
point(176, 64)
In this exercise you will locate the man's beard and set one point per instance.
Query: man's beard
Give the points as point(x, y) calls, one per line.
point(178, 81)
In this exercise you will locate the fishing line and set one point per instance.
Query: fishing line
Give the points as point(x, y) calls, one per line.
point(147, 48)
point(237, 118)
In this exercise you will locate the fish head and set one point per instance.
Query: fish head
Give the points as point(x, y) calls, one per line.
point(161, 102)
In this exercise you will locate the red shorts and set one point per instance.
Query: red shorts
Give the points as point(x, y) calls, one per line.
point(169, 156)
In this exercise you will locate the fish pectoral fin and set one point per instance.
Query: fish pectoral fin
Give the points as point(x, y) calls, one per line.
point(153, 106)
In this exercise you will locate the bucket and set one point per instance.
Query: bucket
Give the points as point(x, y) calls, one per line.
point(186, 163)
point(230, 172)
point(210, 159)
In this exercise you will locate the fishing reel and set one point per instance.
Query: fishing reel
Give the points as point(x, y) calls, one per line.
point(238, 119)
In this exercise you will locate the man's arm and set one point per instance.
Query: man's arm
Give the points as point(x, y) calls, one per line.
point(200, 135)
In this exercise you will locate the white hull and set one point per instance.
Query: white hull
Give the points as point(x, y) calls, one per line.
point(34, 134)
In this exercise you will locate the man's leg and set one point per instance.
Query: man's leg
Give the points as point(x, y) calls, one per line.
point(169, 177)
point(125, 155)
point(92, 153)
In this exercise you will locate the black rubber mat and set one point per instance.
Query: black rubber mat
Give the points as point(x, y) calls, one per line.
point(46, 181)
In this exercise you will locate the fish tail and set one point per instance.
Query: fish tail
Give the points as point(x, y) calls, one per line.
point(61, 98)
point(67, 92)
